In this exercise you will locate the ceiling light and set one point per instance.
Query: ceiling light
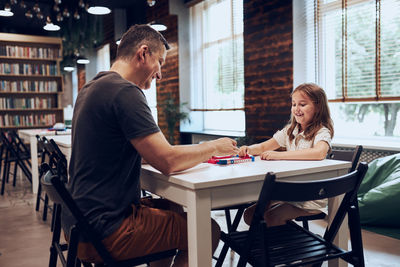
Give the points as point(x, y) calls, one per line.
point(50, 26)
point(22, 4)
point(76, 15)
point(29, 14)
point(151, 2)
point(36, 8)
point(81, 4)
point(118, 41)
point(82, 60)
point(6, 12)
point(66, 13)
point(69, 68)
point(158, 27)
point(99, 10)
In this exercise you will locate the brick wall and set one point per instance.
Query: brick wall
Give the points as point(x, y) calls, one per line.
point(268, 53)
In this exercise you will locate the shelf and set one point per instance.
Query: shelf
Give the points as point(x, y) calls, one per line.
point(19, 76)
point(30, 55)
point(27, 127)
point(24, 59)
point(30, 109)
point(28, 93)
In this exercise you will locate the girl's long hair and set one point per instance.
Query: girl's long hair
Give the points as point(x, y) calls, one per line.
point(322, 116)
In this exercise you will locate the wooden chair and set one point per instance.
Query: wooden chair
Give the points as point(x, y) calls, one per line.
point(14, 152)
point(55, 189)
point(48, 158)
point(57, 162)
point(290, 244)
point(352, 155)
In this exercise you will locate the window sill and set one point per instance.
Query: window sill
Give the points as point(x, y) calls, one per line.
point(374, 143)
point(217, 133)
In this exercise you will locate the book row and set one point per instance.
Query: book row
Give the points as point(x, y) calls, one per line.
point(27, 120)
point(24, 103)
point(29, 52)
point(28, 86)
point(28, 69)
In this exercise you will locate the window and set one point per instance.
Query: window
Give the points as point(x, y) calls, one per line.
point(217, 71)
point(352, 51)
point(151, 97)
point(103, 58)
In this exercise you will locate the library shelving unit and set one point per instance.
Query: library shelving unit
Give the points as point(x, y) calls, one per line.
point(31, 83)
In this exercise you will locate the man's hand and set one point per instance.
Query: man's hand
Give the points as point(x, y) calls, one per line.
point(225, 146)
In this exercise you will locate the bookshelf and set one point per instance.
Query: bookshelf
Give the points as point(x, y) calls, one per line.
point(30, 81)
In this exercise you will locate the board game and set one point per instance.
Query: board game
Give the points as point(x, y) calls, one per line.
point(225, 160)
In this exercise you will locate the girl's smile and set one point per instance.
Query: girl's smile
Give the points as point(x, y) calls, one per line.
point(303, 109)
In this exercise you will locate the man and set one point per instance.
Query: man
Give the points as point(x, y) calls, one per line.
point(112, 130)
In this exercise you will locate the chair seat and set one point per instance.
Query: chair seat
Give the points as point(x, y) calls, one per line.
point(144, 259)
point(286, 243)
point(318, 216)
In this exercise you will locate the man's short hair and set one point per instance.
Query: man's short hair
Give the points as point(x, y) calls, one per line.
point(138, 35)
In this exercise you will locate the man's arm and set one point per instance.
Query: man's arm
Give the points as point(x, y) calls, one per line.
point(156, 151)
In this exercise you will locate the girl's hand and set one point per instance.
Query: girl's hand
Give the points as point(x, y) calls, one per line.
point(243, 151)
point(270, 155)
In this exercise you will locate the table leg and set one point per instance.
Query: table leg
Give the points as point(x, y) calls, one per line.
point(35, 164)
point(342, 237)
point(199, 228)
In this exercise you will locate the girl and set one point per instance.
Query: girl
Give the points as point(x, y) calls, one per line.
point(306, 137)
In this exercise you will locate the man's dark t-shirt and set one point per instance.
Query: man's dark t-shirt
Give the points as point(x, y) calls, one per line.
point(105, 167)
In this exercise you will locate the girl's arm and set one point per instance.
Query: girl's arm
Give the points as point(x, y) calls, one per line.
point(257, 149)
point(318, 152)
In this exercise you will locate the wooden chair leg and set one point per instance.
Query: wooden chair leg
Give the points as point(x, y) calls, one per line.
point(15, 174)
point(72, 247)
point(45, 205)
point(38, 197)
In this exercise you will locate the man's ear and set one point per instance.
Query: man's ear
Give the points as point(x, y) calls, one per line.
point(142, 53)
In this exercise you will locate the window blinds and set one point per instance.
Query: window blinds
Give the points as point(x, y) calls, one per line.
point(358, 55)
point(217, 77)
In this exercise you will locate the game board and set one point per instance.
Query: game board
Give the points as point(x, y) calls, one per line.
point(225, 160)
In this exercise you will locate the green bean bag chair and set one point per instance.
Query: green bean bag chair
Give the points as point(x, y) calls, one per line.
point(379, 193)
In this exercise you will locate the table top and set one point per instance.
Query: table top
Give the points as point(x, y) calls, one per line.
point(206, 175)
point(42, 132)
point(61, 140)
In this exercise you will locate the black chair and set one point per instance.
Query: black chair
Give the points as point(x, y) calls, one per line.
point(47, 157)
point(14, 151)
point(290, 244)
point(55, 189)
point(352, 155)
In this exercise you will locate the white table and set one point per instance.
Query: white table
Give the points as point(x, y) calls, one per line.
point(64, 143)
point(29, 135)
point(208, 186)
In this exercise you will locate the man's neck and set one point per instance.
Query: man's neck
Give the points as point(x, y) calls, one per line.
point(124, 69)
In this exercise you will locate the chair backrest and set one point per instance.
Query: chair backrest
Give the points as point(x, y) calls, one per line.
point(347, 184)
point(57, 192)
point(18, 143)
point(57, 159)
point(42, 149)
point(60, 161)
point(352, 155)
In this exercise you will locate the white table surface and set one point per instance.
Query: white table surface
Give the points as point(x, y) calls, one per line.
point(29, 135)
point(208, 186)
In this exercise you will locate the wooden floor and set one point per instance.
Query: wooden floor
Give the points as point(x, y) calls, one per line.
point(25, 238)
